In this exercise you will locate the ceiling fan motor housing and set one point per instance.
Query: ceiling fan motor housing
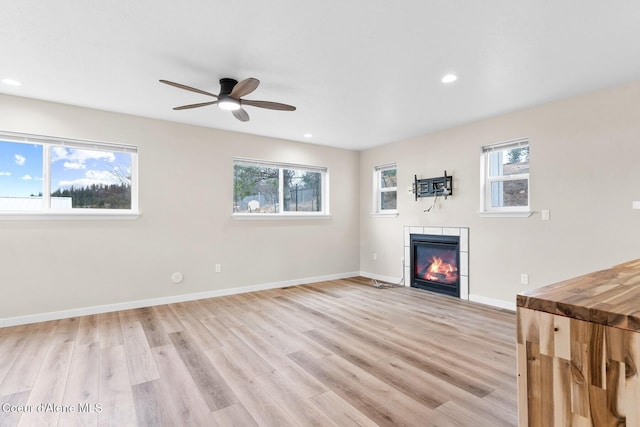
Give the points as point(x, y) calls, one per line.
point(227, 85)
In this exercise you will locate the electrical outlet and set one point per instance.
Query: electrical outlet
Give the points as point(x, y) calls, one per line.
point(635, 205)
point(375, 256)
point(524, 279)
point(218, 268)
point(545, 215)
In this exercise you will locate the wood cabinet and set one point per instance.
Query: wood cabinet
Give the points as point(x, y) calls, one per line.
point(579, 353)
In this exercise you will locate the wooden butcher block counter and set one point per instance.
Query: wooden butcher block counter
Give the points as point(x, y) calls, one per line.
point(578, 349)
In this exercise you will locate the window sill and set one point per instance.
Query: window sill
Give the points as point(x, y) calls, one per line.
point(68, 216)
point(258, 217)
point(522, 214)
point(384, 214)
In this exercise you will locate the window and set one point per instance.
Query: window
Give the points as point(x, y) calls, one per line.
point(505, 178)
point(263, 188)
point(54, 175)
point(386, 189)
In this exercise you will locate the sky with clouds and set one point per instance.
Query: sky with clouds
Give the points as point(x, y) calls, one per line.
point(21, 171)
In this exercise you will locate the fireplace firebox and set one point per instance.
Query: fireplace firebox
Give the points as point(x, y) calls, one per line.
point(435, 263)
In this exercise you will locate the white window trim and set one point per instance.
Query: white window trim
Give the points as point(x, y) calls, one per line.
point(394, 214)
point(30, 216)
point(486, 180)
point(377, 211)
point(48, 213)
point(289, 215)
point(275, 216)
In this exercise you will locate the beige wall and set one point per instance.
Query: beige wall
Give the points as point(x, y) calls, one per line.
point(584, 169)
point(186, 225)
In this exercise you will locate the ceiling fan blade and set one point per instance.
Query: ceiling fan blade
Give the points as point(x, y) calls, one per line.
point(241, 115)
point(202, 104)
point(269, 105)
point(245, 87)
point(185, 87)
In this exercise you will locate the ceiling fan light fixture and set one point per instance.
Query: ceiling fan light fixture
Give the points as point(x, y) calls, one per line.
point(228, 103)
point(449, 78)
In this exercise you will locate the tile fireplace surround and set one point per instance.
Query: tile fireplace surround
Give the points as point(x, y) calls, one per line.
point(463, 232)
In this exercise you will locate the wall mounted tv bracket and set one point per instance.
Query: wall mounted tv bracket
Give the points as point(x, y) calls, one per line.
point(432, 187)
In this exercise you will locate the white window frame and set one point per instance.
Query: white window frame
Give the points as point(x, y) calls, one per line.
point(47, 212)
point(324, 213)
point(378, 190)
point(486, 208)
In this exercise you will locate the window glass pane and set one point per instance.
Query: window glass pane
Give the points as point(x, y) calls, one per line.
point(90, 179)
point(255, 189)
point(495, 163)
point(388, 200)
point(510, 193)
point(302, 191)
point(20, 176)
point(509, 162)
point(388, 178)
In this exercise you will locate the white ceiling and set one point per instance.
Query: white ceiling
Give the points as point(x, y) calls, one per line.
point(361, 72)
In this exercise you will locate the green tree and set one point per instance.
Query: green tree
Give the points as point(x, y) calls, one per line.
point(517, 155)
point(114, 196)
point(253, 181)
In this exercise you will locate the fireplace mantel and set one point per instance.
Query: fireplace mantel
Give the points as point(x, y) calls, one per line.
point(463, 232)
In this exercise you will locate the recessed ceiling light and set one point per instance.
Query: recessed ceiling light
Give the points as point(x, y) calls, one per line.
point(307, 135)
point(11, 82)
point(449, 78)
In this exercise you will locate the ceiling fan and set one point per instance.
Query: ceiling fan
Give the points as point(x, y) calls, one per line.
point(230, 96)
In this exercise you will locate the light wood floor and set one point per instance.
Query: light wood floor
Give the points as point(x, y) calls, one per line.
point(336, 353)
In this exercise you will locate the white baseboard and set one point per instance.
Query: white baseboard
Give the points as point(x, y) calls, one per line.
point(387, 279)
point(85, 311)
point(493, 302)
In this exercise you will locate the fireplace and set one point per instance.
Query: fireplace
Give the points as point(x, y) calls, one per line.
point(435, 263)
point(463, 257)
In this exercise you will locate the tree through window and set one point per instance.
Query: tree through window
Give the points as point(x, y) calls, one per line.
point(505, 181)
point(275, 188)
point(53, 175)
point(386, 189)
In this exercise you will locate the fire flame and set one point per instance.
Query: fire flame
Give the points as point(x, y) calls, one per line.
point(440, 271)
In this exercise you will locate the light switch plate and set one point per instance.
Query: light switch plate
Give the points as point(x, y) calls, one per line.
point(636, 205)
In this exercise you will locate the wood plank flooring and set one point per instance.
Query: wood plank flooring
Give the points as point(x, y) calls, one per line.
point(337, 353)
